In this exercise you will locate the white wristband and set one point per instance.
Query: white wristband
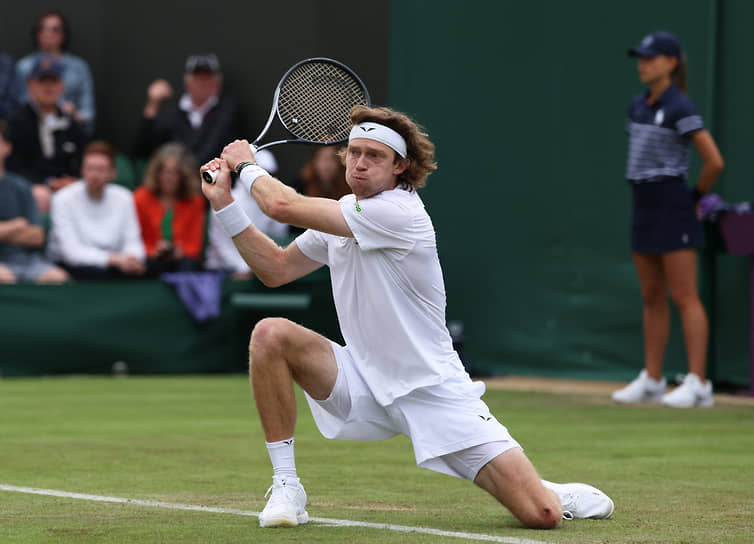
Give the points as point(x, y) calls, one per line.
point(233, 219)
point(250, 173)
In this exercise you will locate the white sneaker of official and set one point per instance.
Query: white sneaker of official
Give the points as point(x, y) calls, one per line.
point(690, 393)
point(286, 506)
point(582, 501)
point(642, 389)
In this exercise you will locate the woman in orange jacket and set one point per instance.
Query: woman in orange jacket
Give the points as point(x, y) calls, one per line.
point(172, 211)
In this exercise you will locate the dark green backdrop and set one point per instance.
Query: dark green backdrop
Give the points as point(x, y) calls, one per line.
point(526, 102)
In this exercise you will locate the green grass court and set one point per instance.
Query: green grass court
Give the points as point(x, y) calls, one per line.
point(675, 476)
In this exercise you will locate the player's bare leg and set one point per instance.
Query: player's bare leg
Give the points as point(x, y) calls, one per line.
point(512, 480)
point(282, 352)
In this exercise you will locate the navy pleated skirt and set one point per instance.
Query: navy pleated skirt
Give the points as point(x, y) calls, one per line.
point(664, 217)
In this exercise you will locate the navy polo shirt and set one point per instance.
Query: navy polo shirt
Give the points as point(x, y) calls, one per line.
point(659, 136)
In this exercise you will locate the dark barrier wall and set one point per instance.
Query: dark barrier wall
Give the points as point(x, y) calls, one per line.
point(129, 44)
point(527, 103)
point(87, 328)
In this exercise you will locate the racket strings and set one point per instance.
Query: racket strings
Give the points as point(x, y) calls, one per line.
point(315, 101)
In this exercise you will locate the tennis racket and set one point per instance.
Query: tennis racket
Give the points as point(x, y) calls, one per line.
point(312, 102)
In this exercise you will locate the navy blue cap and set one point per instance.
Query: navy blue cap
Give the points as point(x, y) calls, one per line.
point(46, 66)
point(657, 43)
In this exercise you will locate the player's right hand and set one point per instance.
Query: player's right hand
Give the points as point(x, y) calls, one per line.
point(237, 152)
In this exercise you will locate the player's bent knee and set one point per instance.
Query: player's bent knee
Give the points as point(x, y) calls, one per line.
point(547, 518)
point(512, 480)
point(537, 515)
point(264, 330)
point(268, 334)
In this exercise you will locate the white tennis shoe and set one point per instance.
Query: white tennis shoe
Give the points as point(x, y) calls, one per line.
point(286, 506)
point(582, 501)
point(642, 389)
point(690, 393)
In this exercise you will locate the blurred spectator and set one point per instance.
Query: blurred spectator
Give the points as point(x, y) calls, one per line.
point(172, 212)
point(47, 142)
point(95, 232)
point(7, 85)
point(205, 119)
point(22, 235)
point(51, 35)
point(221, 251)
point(323, 175)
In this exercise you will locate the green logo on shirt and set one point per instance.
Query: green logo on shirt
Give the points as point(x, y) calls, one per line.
point(358, 208)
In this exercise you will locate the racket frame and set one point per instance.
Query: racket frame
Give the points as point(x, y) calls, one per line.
point(210, 175)
point(275, 112)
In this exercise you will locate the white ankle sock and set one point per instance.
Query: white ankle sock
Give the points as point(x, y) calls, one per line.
point(282, 457)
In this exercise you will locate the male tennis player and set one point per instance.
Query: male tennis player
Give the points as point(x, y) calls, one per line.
point(398, 373)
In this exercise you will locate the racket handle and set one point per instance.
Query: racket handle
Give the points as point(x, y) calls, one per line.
point(210, 176)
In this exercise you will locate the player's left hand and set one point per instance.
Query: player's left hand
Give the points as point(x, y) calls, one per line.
point(217, 193)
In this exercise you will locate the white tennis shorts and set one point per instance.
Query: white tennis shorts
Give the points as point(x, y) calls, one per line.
point(450, 427)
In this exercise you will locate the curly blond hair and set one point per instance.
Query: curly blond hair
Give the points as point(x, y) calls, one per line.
point(420, 152)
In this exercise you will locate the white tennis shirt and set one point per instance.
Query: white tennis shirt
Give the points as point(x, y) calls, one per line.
point(389, 292)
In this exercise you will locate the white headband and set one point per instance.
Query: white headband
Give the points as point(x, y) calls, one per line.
point(379, 133)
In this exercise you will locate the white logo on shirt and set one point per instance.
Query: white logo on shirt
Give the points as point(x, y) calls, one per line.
point(659, 117)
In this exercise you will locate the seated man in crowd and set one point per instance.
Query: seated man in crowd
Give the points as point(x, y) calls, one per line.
point(21, 234)
point(95, 231)
point(204, 119)
point(47, 142)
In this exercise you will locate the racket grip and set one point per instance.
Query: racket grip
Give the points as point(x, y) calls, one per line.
point(210, 176)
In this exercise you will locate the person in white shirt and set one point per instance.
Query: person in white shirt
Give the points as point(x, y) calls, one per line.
point(94, 227)
point(398, 373)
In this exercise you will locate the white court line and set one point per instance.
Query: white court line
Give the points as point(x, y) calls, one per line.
point(214, 510)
